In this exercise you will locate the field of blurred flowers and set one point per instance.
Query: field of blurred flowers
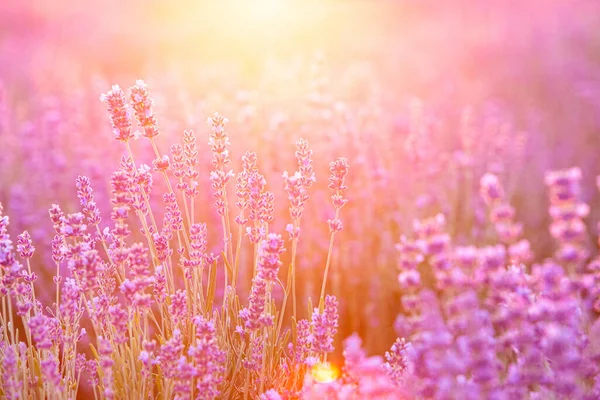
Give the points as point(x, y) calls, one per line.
point(299, 199)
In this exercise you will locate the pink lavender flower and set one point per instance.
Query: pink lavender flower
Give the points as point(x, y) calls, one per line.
point(71, 307)
point(40, 328)
point(86, 266)
point(121, 183)
point(147, 357)
point(24, 245)
point(563, 184)
point(259, 206)
point(91, 367)
point(367, 375)
point(409, 258)
point(253, 359)
point(209, 360)
point(266, 208)
point(243, 185)
point(106, 363)
point(120, 113)
point(161, 245)
point(433, 240)
point(220, 176)
point(339, 169)
point(170, 352)
point(173, 221)
point(56, 216)
point(57, 253)
point(397, 360)
point(85, 193)
point(160, 284)
point(73, 225)
point(178, 162)
point(51, 372)
point(191, 160)
point(184, 373)
point(178, 306)
point(297, 185)
point(297, 194)
point(268, 258)
point(10, 375)
point(567, 212)
point(198, 240)
point(304, 342)
point(304, 159)
point(143, 106)
point(219, 180)
point(119, 318)
point(253, 316)
point(324, 326)
point(198, 249)
point(122, 201)
point(142, 179)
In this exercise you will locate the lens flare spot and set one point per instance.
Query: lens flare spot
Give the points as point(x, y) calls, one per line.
point(325, 372)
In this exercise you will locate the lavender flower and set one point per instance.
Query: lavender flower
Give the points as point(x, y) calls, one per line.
point(120, 113)
point(209, 359)
point(220, 176)
point(324, 326)
point(143, 107)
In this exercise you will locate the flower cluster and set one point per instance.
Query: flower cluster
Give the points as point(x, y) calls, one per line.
point(120, 113)
point(324, 326)
point(297, 186)
point(502, 215)
point(257, 315)
point(220, 176)
point(143, 108)
point(567, 213)
point(339, 169)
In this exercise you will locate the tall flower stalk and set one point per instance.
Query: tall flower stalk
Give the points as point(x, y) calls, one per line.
point(339, 170)
point(220, 176)
point(297, 187)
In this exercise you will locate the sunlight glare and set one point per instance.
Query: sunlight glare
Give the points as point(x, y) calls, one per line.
point(325, 372)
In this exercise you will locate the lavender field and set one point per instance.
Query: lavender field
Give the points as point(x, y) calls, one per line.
point(285, 199)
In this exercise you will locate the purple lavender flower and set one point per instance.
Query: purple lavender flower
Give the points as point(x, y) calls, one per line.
point(143, 107)
point(268, 257)
point(324, 326)
point(85, 194)
point(209, 359)
point(397, 361)
point(120, 113)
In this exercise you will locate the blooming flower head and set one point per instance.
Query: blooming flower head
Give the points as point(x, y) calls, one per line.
point(219, 140)
point(324, 326)
point(304, 158)
point(85, 193)
point(120, 113)
point(24, 245)
point(143, 106)
point(339, 169)
point(221, 175)
point(209, 359)
point(268, 259)
point(397, 360)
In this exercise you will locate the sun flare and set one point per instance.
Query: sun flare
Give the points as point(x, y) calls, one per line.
point(325, 372)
